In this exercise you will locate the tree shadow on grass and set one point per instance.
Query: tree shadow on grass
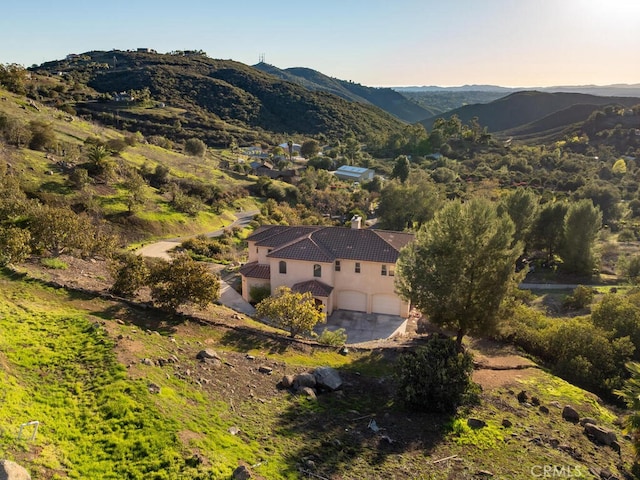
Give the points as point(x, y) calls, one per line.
point(358, 432)
point(145, 319)
point(246, 340)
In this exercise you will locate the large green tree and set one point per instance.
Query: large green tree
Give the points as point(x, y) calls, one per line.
point(401, 168)
point(460, 266)
point(521, 206)
point(183, 281)
point(293, 311)
point(548, 228)
point(581, 226)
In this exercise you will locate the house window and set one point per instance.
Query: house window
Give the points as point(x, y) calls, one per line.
point(337, 265)
point(283, 266)
point(357, 267)
point(317, 270)
point(383, 272)
point(392, 272)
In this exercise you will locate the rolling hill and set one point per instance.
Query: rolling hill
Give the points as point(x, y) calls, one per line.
point(530, 108)
point(216, 100)
point(385, 98)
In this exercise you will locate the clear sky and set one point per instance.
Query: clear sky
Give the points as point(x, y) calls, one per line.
point(520, 43)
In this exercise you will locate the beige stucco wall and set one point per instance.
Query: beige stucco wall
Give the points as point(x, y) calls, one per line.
point(369, 281)
point(249, 283)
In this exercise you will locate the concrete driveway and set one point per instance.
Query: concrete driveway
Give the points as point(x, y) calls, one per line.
point(364, 327)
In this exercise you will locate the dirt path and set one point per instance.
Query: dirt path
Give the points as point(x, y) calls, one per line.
point(162, 248)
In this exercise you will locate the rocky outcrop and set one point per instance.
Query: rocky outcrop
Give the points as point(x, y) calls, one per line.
point(12, 471)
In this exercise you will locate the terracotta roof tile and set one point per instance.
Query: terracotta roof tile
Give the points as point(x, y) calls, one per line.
point(317, 289)
point(327, 244)
point(256, 270)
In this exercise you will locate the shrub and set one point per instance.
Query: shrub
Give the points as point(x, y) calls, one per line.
point(131, 274)
point(335, 338)
point(259, 292)
point(54, 263)
point(195, 147)
point(580, 298)
point(434, 377)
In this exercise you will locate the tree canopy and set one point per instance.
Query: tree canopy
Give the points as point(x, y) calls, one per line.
point(460, 266)
point(292, 311)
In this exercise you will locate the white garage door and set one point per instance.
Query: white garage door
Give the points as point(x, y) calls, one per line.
point(386, 304)
point(351, 300)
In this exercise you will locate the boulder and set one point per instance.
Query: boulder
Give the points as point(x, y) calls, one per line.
point(308, 392)
point(585, 420)
point(600, 434)
point(207, 354)
point(287, 381)
point(266, 370)
point(327, 378)
point(304, 380)
point(570, 415)
point(12, 471)
point(543, 409)
point(476, 423)
point(241, 473)
point(506, 423)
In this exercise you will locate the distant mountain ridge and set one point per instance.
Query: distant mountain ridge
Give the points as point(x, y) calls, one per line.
point(539, 111)
point(216, 100)
point(385, 98)
point(615, 90)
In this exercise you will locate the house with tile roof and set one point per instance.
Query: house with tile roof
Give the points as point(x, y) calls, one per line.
point(343, 268)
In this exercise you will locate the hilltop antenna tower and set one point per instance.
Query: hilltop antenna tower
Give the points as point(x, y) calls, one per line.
point(261, 58)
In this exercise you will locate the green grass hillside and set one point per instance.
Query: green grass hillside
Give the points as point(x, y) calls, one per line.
point(217, 100)
point(119, 394)
point(47, 175)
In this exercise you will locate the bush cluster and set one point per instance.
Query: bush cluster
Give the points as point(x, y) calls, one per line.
point(435, 377)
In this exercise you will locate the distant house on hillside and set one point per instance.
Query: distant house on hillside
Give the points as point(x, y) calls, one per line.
point(295, 148)
point(343, 268)
point(354, 174)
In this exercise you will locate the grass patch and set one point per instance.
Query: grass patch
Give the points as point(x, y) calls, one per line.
point(54, 263)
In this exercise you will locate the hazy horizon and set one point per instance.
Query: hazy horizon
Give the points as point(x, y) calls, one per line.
point(525, 44)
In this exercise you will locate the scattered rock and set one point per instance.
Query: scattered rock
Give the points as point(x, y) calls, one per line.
point(535, 401)
point(147, 361)
point(484, 473)
point(554, 442)
point(555, 404)
point(506, 423)
point(327, 378)
point(476, 423)
point(585, 420)
point(304, 380)
point(308, 392)
point(522, 396)
point(343, 350)
point(207, 355)
point(265, 369)
point(287, 381)
point(119, 322)
point(605, 474)
point(570, 415)
point(12, 471)
point(600, 434)
point(249, 357)
point(543, 409)
point(153, 388)
point(234, 430)
point(241, 473)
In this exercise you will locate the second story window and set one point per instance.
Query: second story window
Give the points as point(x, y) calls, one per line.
point(283, 267)
point(391, 272)
point(383, 272)
point(357, 267)
point(317, 270)
point(337, 267)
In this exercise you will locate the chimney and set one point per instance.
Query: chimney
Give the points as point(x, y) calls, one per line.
point(356, 222)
